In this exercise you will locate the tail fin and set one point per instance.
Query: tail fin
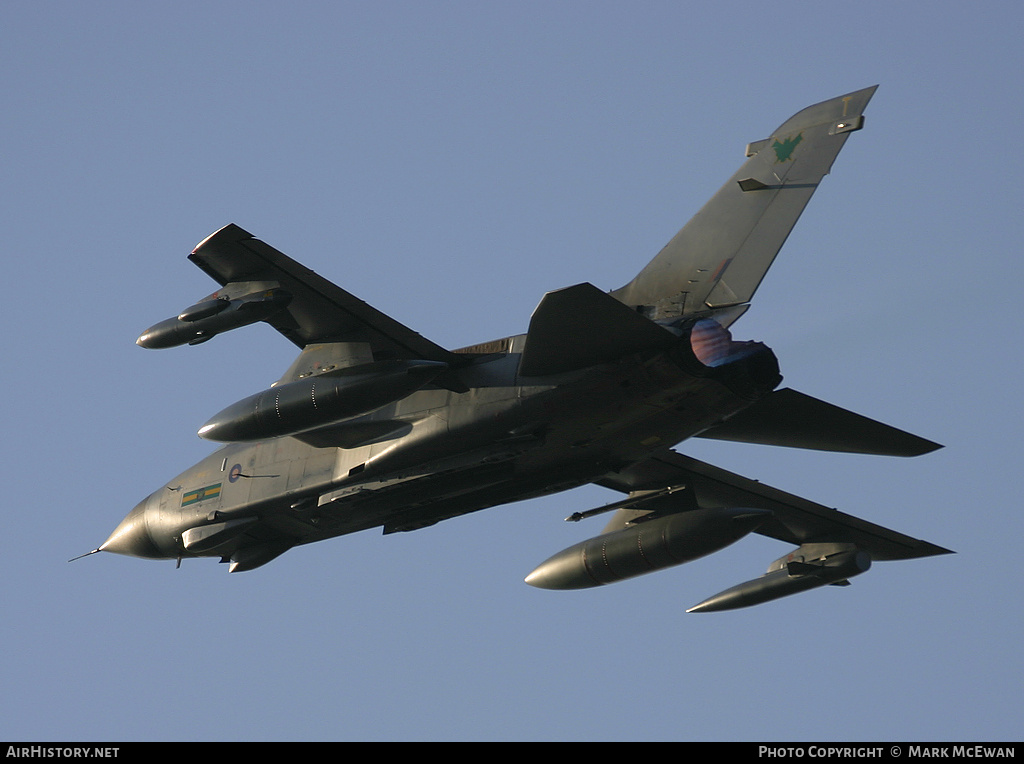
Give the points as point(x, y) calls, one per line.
point(718, 259)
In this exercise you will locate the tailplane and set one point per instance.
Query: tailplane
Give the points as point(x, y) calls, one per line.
point(788, 418)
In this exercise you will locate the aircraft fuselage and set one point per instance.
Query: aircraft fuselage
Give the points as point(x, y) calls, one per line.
point(438, 453)
point(374, 425)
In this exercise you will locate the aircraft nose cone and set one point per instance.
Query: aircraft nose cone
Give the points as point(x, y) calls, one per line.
point(131, 536)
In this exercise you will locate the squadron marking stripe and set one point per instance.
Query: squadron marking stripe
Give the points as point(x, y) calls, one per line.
point(201, 494)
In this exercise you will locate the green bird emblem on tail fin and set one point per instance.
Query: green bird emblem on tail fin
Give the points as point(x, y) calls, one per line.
point(784, 150)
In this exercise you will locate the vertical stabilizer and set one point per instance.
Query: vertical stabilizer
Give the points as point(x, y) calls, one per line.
point(718, 259)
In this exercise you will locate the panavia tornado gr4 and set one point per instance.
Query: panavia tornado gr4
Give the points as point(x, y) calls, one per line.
point(374, 426)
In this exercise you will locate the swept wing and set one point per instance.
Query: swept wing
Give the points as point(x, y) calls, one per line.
point(794, 519)
point(319, 311)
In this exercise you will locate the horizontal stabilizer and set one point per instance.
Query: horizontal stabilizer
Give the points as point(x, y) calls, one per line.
point(582, 326)
point(788, 418)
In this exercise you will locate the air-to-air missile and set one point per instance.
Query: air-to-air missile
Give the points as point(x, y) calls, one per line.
point(325, 399)
point(810, 566)
point(208, 318)
point(646, 546)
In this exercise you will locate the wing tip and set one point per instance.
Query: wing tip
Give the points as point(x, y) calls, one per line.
point(231, 231)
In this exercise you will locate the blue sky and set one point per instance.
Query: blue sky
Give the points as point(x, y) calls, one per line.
point(449, 163)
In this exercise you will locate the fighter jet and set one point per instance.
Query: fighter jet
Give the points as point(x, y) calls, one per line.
point(374, 426)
